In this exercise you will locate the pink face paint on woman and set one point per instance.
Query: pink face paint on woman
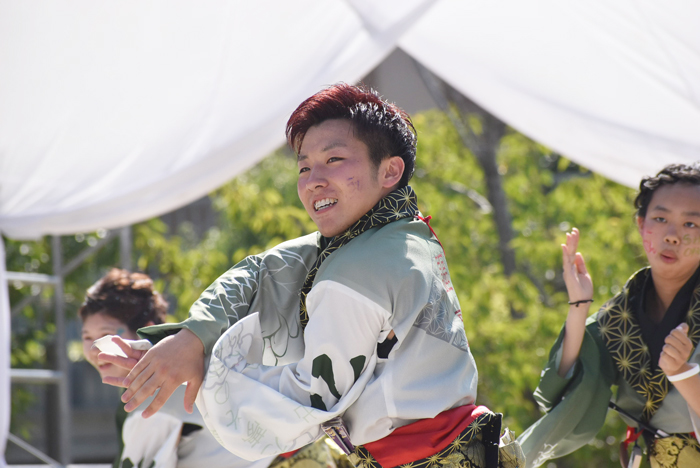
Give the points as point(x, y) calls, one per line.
point(646, 241)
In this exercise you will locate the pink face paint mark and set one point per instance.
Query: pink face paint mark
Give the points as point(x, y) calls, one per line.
point(648, 246)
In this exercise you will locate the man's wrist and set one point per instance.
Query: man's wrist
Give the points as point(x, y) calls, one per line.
point(190, 338)
point(687, 370)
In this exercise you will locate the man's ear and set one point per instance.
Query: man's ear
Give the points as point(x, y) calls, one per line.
point(391, 171)
point(640, 223)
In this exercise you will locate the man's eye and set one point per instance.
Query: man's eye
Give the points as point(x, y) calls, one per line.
point(334, 159)
point(303, 169)
point(690, 224)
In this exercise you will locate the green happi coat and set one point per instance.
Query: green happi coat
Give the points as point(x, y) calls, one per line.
point(613, 353)
point(270, 281)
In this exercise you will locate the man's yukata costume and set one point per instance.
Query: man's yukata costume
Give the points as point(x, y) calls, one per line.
point(619, 348)
point(271, 382)
point(229, 299)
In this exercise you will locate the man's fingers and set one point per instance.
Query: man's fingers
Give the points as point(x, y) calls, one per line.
point(114, 381)
point(672, 353)
point(191, 394)
point(134, 399)
point(566, 260)
point(143, 364)
point(119, 361)
point(580, 264)
point(142, 378)
point(570, 245)
point(128, 350)
point(163, 394)
point(679, 339)
point(574, 239)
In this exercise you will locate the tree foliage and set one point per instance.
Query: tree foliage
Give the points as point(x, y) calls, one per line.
point(547, 195)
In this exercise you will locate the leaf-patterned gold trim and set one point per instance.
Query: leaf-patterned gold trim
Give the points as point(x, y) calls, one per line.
point(465, 451)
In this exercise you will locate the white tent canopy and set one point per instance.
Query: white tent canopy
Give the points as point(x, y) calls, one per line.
point(115, 112)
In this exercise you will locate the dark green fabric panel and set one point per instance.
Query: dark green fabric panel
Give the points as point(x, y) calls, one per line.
point(322, 367)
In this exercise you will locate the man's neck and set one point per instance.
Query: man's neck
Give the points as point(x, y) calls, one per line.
point(665, 290)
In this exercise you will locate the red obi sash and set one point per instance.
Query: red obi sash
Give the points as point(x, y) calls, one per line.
point(423, 438)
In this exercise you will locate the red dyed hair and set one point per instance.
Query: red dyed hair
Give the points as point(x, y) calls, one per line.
point(386, 129)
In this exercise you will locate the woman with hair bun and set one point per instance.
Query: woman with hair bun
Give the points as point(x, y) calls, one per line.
point(644, 341)
point(120, 303)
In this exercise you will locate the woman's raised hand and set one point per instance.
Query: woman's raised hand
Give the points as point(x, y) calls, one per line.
point(578, 281)
point(580, 288)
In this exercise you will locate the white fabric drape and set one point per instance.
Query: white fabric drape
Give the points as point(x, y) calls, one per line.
point(115, 112)
point(612, 85)
point(4, 357)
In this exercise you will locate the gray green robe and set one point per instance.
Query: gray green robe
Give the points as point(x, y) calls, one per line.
point(575, 406)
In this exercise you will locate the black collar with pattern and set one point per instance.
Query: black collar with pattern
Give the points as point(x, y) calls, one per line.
point(620, 328)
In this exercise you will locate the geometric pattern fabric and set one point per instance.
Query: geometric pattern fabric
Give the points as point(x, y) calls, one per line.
point(619, 328)
point(467, 450)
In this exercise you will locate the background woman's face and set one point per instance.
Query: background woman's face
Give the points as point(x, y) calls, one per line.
point(96, 326)
point(671, 230)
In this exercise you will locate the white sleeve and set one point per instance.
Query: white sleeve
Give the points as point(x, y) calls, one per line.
point(255, 410)
point(150, 442)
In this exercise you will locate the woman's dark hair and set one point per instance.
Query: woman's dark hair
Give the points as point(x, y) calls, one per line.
point(386, 129)
point(128, 297)
point(669, 175)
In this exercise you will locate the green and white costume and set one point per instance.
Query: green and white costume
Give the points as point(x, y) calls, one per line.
point(161, 442)
point(269, 387)
point(270, 281)
point(614, 353)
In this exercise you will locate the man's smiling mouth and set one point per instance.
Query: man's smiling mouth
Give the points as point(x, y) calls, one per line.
point(324, 203)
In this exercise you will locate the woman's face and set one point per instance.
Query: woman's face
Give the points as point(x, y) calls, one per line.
point(671, 231)
point(96, 326)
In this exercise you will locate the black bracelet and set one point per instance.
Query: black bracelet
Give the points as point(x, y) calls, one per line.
point(576, 303)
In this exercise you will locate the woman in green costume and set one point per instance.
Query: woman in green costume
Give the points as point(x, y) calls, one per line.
point(644, 340)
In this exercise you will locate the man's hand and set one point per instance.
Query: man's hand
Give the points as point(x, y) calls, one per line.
point(578, 281)
point(176, 359)
point(676, 351)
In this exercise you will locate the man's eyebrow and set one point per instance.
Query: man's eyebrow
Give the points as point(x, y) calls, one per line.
point(328, 147)
point(685, 213)
point(334, 144)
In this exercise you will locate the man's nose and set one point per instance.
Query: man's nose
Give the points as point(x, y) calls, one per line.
point(316, 179)
point(671, 236)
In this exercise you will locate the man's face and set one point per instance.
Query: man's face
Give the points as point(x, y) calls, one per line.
point(337, 181)
point(671, 231)
point(96, 326)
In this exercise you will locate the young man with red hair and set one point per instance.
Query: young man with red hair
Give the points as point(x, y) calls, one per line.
point(375, 352)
